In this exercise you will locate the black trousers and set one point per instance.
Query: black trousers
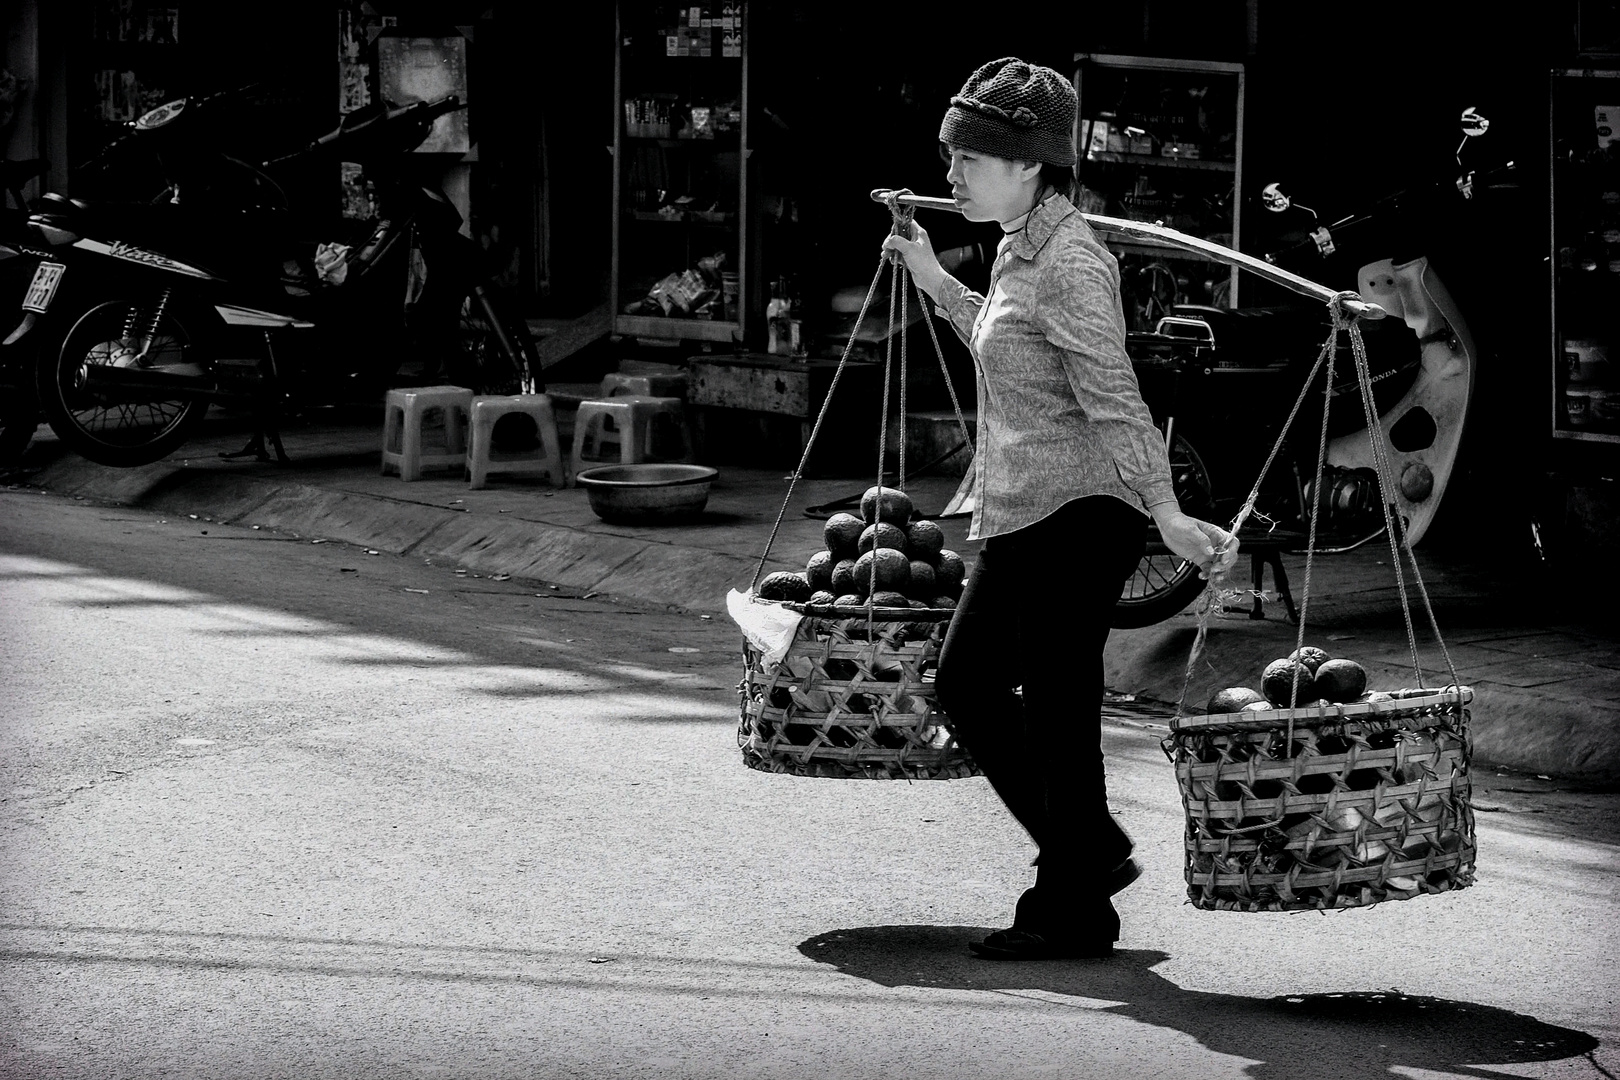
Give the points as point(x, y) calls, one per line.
point(1035, 614)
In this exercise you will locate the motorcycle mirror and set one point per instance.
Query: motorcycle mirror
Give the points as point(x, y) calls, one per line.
point(1473, 126)
point(156, 118)
point(1273, 199)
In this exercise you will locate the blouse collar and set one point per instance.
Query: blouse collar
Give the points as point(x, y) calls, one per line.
point(1028, 237)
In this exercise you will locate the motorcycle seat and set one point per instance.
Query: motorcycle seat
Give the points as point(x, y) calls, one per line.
point(1261, 336)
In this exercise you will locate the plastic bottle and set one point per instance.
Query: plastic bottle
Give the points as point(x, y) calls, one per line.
point(779, 321)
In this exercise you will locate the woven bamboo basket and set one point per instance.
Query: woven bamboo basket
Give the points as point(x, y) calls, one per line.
point(850, 702)
point(1331, 806)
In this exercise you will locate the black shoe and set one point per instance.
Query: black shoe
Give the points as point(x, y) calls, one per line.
point(1017, 944)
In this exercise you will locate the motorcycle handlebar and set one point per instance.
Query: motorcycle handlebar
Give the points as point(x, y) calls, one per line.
point(417, 115)
point(1393, 201)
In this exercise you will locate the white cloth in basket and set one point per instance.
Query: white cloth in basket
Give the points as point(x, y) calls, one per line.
point(768, 627)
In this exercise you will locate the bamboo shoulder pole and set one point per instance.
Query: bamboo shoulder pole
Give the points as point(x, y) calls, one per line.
point(1162, 236)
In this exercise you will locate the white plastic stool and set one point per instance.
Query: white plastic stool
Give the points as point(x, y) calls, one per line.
point(650, 385)
point(628, 429)
point(407, 411)
point(540, 450)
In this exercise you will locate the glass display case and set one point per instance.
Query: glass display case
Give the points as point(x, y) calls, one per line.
point(680, 188)
point(1161, 140)
point(1585, 208)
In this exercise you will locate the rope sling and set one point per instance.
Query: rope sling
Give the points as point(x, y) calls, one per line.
point(1321, 806)
point(1212, 599)
point(841, 691)
point(902, 217)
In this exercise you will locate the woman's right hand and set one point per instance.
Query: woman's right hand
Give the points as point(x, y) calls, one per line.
point(918, 255)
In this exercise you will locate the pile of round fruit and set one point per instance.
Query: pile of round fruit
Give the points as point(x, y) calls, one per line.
point(1305, 678)
point(883, 556)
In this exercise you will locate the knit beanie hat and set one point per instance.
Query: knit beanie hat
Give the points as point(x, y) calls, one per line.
point(1014, 110)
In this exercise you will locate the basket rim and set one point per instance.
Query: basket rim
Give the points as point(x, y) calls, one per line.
point(846, 611)
point(1400, 701)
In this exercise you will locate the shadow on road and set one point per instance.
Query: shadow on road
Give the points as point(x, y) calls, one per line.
point(1338, 1036)
point(513, 639)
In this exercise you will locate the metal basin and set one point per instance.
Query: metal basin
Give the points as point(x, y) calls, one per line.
point(647, 494)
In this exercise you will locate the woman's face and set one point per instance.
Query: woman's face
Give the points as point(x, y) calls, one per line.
point(990, 188)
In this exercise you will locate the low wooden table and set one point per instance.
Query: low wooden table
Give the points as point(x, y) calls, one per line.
point(757, 408)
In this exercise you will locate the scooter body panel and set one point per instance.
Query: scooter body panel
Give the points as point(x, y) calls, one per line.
point(1421, 463)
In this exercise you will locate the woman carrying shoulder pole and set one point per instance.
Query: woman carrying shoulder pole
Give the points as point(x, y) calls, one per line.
point(1067, 471)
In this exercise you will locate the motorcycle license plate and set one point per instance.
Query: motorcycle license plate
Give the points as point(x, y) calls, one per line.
point(47, 276)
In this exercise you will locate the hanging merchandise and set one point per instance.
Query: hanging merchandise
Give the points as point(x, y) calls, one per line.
point(781, 328)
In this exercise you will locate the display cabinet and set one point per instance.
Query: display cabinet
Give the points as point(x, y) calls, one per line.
point(680, 267)
point(1161, 140)
point(1585, 208)
point(123, 61)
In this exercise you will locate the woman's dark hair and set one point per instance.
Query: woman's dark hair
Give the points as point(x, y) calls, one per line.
point(1059, 178)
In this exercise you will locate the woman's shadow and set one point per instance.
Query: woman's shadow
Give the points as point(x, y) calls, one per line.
point(1349, 1035)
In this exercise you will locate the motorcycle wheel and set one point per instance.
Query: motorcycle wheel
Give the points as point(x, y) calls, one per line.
point(120, 431)
point(1164, 583)
point(481, 362)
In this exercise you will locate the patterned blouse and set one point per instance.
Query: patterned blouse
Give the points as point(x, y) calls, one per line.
point(1060, 412)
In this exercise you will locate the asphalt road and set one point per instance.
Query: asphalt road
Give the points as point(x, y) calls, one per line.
point(271, 807)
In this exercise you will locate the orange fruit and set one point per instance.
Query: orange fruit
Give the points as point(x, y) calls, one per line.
point(886, 504)
point(923, 583)
point(924, 540)
point(950, 570)
point(1310, 656)
point(819, 570)
point(785, 585)
point(1279, 683)
point(881, 569)
point(841, 533)
point(883, 535)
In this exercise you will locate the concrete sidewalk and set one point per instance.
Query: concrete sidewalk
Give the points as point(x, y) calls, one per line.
point(1546, 677)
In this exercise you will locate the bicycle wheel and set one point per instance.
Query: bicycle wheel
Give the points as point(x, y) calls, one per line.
point(482, 361)
point(122, 424)
point(1164, 583)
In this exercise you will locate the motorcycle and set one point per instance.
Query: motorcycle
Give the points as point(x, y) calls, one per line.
point(1211, 374)
point(160, 310)
point(20, 253)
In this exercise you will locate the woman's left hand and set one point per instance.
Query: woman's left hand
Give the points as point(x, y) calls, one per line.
point(1209, 547)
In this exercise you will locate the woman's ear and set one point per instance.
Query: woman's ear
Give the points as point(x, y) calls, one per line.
point(1028, 170)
